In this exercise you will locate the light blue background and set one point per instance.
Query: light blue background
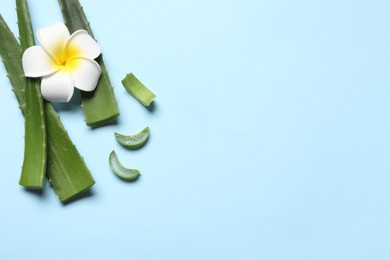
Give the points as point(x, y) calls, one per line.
point(269, 137)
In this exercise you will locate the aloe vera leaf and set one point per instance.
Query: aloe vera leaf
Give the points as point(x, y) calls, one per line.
point(34, 164)
point(120, 170)
point(100, 106)
point(138, 90)
point(65, 167)
point(133, 141)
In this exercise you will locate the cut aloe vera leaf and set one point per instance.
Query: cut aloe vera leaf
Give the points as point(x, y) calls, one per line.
point(34, 163)
point(133, 141)
point(100, 106)
point(120, 170)
point(138, 90)
point(65, 167)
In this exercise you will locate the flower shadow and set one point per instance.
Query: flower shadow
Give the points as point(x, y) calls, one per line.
point(73, 104)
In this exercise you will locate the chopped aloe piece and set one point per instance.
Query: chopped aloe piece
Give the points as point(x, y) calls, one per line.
point(34, 164)
point(138, 90)
point(133, 141)
point(120, 170)
point(100, 106)
point(65, 167)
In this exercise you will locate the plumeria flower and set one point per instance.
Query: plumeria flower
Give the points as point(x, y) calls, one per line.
point(64, 61)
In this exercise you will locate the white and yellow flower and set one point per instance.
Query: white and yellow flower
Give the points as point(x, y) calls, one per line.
point(64, 61)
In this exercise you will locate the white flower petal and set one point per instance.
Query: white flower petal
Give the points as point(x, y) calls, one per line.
point(57, 87)
point(53, 39)
point(81, 44)
point(37, 63)
point(85, 73)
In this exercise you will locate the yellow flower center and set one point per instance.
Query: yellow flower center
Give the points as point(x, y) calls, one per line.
point(67, 58)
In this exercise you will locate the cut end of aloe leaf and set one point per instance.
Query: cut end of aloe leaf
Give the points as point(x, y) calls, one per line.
point(121, 171)
point(31, 185)
point(101, 122)
point(133, 141)
point(74, 196)
point(68, 193)
point(138, 90)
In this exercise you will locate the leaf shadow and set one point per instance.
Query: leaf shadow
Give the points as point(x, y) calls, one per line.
point(152, 107)
point(41, 194)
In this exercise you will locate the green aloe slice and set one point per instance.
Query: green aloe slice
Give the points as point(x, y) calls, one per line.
point(120, 170)
point(138, 90)
point(133, 141)
point(100, 106)
point(34, 164)
point(65, 167)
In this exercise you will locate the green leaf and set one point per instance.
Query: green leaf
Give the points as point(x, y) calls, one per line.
point(65, 168)
point(138, 90)
point(100, 106)
point(34, 164)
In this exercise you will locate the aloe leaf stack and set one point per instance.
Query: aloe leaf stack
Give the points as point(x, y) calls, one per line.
point(65, 167)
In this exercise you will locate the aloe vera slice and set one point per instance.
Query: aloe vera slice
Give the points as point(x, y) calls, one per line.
point(138, 90)
point(133, 141)
point(100, 106)
point(65, 167)
point(34, 164)
point(120, 170)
